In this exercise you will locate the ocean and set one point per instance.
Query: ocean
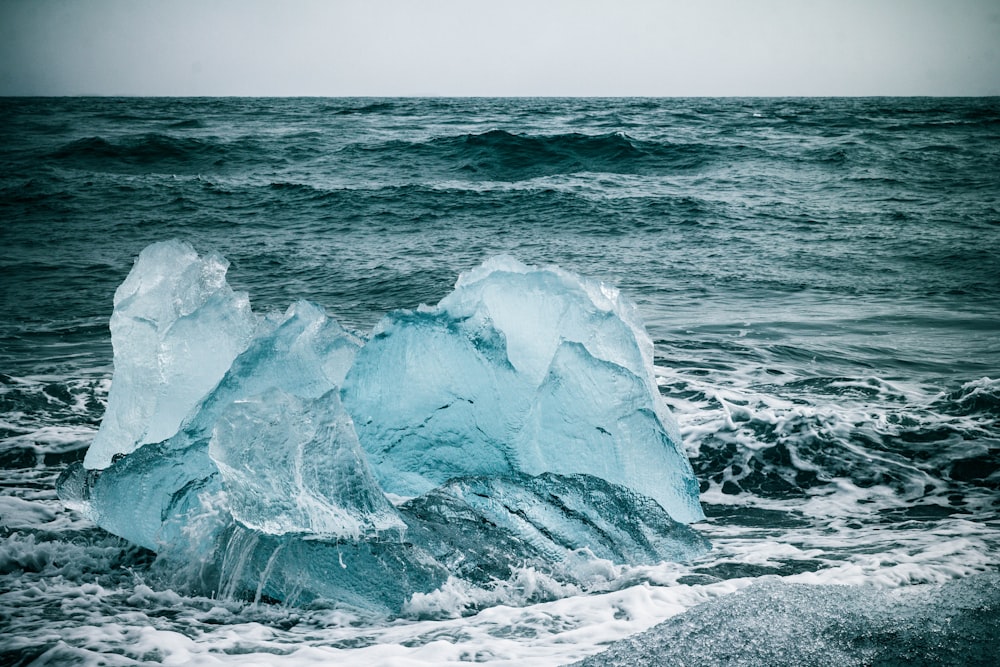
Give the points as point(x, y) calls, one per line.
point(820, 278)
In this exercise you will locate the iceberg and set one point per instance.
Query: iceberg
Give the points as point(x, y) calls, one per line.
point(515, 424)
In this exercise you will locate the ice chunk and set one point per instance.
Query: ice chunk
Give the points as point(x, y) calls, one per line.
point(431, 401)
point(252, 453)
point(175, 329)
point(596, 416)
point(304, 353)
point(545, 518)
point(537, 309)
point(519, 370)
point(479, 529)
point(373, 575)
point(146, 497)
point(295, 466)
point(151, 496)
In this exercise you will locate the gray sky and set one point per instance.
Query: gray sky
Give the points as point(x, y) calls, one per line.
point(509, 47)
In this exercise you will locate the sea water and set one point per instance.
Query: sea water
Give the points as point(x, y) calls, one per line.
point(819, 277)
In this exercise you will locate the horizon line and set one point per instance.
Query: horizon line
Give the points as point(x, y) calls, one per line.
point(537, 97)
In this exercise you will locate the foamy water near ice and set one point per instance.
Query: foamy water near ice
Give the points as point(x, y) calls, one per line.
point(91, 598)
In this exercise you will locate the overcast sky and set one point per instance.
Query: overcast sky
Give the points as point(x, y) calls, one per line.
point(502, 47)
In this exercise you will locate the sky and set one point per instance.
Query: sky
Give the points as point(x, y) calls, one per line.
point(500, 48)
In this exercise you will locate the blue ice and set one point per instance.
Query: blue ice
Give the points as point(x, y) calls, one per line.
point(518, 370)
point(515, 423)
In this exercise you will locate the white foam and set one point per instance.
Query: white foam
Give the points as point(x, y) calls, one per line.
point(124, 618)
point(20, 513)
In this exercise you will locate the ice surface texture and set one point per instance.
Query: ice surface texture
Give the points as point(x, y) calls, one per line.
point(519, 370)
point(176, 328)
point(519, 416)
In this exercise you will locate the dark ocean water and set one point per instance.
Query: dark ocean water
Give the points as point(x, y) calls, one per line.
point(820, 278)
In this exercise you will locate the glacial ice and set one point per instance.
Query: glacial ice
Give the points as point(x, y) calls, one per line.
point(482, 530)
point(519, 370)
point(515, 424)
point(317, 478)
point(176, 327)
point(147, 496)
point(549, 516)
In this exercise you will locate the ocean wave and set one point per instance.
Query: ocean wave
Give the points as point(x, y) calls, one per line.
point(978, 397)
point(151, 152)
point(38, 193)
point(373, 107)
point(889, 448)
point(503, 156)
point(187, 124)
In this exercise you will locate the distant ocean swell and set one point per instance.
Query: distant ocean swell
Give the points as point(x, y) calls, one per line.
point(493, 155)
point(149, 153)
